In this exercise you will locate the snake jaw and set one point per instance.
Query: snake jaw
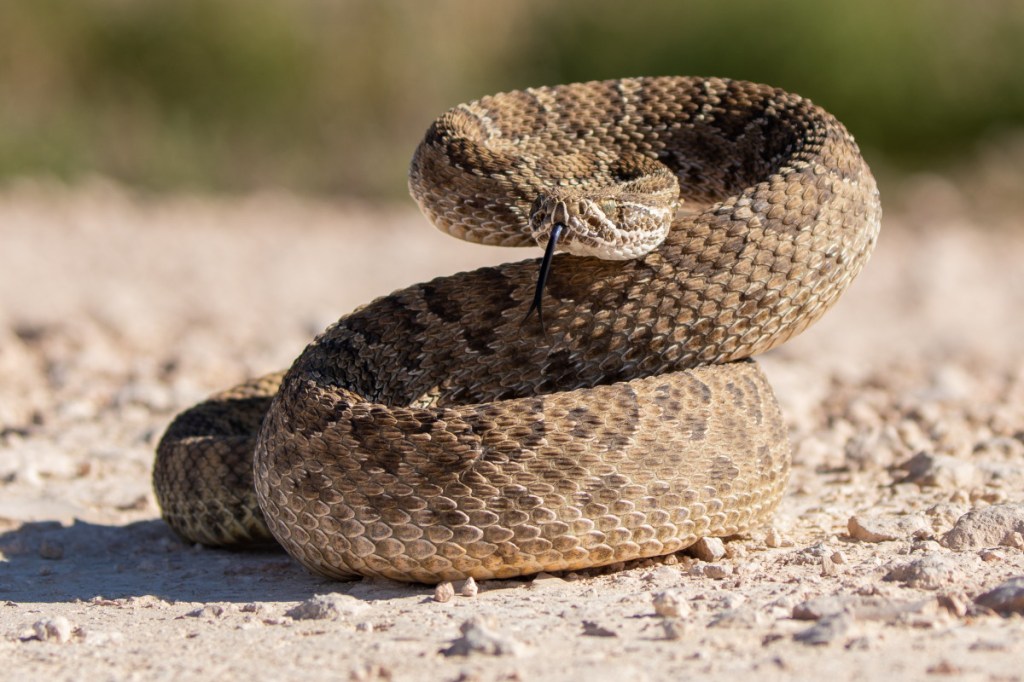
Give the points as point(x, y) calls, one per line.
point(542, 277)
point(602, 222)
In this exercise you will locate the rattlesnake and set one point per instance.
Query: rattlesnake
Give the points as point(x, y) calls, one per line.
point(436, 434)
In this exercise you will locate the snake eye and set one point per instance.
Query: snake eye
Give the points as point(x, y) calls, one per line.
point(610, 208)
point(537, 218)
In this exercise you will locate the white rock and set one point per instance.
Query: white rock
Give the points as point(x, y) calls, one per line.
point(825, 631)
point(327, 606)
point(469, 588)
point(882, 528)
point(709, 549)
point(671, 604)
point(1006, 598)
point(942, 471)
point(208, 611)
point(57, 629)
point(930, 572)
point(986, 527)
point(713, 571)
point(444, 592)
point(478, 638)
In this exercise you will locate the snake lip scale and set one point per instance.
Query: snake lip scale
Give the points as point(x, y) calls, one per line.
point(437, 434)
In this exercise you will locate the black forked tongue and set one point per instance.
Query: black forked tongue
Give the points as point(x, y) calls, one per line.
point(542, 278)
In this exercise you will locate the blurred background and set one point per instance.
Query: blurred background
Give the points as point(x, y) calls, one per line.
point(328, 99)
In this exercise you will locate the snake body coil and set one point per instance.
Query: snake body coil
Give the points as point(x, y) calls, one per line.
point(433, 435)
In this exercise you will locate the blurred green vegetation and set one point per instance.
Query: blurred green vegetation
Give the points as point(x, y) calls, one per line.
point(331, 97)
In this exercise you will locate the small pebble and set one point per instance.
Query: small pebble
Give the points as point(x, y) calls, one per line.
point(954, 604)
point(675, 628)
point(713, 571)
point(820, 607)
point(1006, 598)
point(927, 573)
point(991, 526)
point(991, 555)
point(863, 608)
point(327, 606)
point(773, 538)
point(671, 604)
point(945, 514)
point(825, 631)
point(813, 554)
point(478, 638)
point(208, 611)
point(744, 617)
point(594, 629)
point(99, 600)
point(708, 549)
point(148, 601)
point(444, 592)
point(732, 600)
point(927, 547)
point(545, 580)
point(941, 471)
point(56, 629)
point(660, 574)
point(884, 528)
point(469, 588)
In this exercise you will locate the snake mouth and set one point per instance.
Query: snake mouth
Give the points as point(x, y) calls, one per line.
point(542, 277)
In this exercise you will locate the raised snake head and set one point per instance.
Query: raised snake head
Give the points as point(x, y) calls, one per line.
point(620, 212)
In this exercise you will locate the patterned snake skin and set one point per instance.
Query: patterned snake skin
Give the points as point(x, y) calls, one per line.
point(434, 434)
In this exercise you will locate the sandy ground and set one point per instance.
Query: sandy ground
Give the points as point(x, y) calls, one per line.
point(906, 508)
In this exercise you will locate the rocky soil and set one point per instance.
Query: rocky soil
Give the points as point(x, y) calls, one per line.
point(898, 552)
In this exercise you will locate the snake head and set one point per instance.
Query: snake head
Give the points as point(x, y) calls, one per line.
point(620, 211)
point(621, 216)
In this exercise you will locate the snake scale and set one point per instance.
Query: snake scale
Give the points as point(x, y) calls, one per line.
point(440, 432)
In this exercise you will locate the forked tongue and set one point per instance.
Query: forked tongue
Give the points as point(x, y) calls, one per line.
point(542, 278)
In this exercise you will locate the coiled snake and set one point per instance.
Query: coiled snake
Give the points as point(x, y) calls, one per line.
point(440, 432)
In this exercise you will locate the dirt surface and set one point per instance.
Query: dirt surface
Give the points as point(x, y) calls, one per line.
point(893, 554)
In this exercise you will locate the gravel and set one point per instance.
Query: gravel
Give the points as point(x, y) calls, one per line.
point(905, 406)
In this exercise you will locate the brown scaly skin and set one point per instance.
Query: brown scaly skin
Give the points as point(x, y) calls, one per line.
point(431, 436)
